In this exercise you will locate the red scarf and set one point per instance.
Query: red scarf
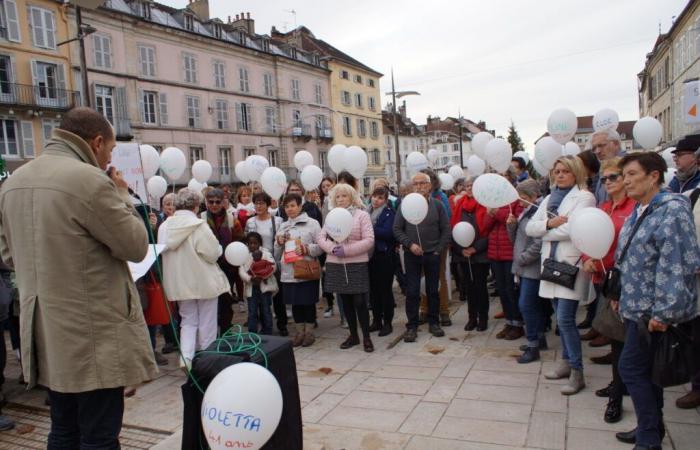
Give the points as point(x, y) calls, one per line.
point(471, 206)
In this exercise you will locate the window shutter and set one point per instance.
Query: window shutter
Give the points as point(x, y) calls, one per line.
point(249, 116)
point(163, 97)
point(142, 109)
point(195, 104)
point(121, 114)
point(239, 117)
point(143, 59)
point(50, 24)
point(107, 51)
point(13, 33)
point(27, 138)
point(35, 79)
point(61, 82)
point(36, 26)
point(97, 51)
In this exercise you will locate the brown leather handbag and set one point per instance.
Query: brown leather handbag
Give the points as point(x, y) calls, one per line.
point(307, 270)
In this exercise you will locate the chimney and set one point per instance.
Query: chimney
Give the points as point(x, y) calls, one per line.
point(200, 8)
point(402, 110)
point(245, 23)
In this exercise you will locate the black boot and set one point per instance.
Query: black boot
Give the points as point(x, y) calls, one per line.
point(471, 324)
point(613, 412)
point(630, 437)
point(376, 325)
point(483, 324)
point(531, 354)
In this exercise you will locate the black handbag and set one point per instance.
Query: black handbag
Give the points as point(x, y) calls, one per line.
point(612, 285)
point(675, 359)
point(560, 273)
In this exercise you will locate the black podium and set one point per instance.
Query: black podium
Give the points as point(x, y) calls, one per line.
point(280, 359)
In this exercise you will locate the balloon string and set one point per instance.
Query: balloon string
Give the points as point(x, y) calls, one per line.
point(471, 274)
point(346, 273)
point(420, 244)
point(536, 206)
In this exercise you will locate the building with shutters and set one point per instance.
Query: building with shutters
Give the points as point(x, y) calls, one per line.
point(215, 89)
point(36, 83)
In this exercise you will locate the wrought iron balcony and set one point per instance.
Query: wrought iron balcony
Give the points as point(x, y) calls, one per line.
point(43, 97)
point(324, 134)
point(301, 131)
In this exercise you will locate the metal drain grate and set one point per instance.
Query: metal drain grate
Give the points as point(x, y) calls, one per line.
point(32, 427)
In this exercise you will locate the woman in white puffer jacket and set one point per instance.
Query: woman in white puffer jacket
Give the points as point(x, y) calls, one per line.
point(191, 275)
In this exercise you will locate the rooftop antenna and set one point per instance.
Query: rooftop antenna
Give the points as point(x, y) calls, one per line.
point(294, 13)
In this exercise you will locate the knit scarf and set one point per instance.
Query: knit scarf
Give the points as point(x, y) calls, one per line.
point(375, 213)
point(555, 199)
point(219, 225)
point(470, 205)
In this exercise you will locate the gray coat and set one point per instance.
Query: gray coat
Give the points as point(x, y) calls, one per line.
point(526, 249)
point(434, 231)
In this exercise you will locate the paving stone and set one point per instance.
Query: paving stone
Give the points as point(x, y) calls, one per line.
point(525, 395)
point(443, 390)
point(326, 437)
point(339, 355)
point(505, 365)
point(396, 386)
point(548, 398)
point(381, 400)
point(419, 361)
point(506, 433)
point(458, 367)
point(364, 418)
point(683, 435)
point(423, 418)
point(348, 383)
point(414, 373)
point(320, 406)
point(337, 366)
point(677, 415)
point(316, 378)
point(308, 393)
point(547, 430)
point(372, 363)
point(425, 443)
point(580, 439)
point(485, 410)
point(592, 419)
point(501, 378)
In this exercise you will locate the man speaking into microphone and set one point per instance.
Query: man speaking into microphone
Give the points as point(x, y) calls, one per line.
point(68, 229)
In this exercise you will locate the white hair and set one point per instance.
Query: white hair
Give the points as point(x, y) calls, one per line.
point(187, 199)
point(611, 134)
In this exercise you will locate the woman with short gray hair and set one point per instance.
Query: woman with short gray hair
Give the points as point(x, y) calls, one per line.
point(191, 275)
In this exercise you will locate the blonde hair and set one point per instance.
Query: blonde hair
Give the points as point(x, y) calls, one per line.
point(575, 166)
point(380, 182)
point(612, 163)
point(345, 189)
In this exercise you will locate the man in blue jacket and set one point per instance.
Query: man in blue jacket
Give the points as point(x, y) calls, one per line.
point(686, 158)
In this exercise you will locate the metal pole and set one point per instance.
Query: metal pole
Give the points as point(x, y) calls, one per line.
point(83, 64)
point(396, 131)
point(461, 153)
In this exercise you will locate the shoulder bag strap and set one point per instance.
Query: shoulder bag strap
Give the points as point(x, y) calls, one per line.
point(634, 231)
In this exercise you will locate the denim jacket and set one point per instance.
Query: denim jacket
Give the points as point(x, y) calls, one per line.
point(658, 273)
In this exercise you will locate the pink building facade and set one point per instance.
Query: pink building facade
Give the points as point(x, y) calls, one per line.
point(216, 90)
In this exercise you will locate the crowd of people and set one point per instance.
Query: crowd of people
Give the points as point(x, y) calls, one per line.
point(293, 263)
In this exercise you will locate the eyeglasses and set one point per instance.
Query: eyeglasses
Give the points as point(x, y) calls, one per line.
point(677, 155)
point(214, 202)
point(613, 177)
point(420, 183)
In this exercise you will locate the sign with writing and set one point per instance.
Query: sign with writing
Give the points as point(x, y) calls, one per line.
point(691, 98)
point(127, 159)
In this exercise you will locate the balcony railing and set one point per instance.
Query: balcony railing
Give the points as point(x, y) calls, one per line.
point(324, 133)
point(301, 131)
point(44, 97)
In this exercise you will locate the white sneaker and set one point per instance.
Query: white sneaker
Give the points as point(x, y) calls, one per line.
point(328, 313)
point(289, 314)
point(242, 307)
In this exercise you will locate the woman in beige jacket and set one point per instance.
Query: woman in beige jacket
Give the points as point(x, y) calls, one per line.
point(191, 275)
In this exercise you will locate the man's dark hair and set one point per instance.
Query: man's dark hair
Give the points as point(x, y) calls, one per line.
point(522, 165)
point(590, 161)
point(650, 162)
point(291, 198)
point(86, 123)
point(262, 197)
point(381, 192)
point(347, 178)
point(215, 193)
point(254, 235)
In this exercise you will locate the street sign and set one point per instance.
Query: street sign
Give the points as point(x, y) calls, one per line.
point(691, 101)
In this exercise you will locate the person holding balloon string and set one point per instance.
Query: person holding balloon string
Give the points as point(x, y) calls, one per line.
point(245, 207)
point(381, 262)
point(568, 196)
point(310, 208)
point(324, 188)
point(347, 238)
point(258, 274)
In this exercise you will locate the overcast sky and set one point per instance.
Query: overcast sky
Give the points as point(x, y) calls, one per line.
point(492, 60)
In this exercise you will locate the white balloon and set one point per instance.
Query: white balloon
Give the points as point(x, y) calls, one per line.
point(463, 233)
point(494, 191)
point(562, 125)
point(414, 208)
point(241, 407)
point(355, 161)
point(538, 167)
point(236, 253)
point(157, 186)
point(447, 181)
point(195, 185)
point(647, 132)
point(255, 166)
point(668, 176)
point(456, 172)
point(522, 154)
point(570, 149)
point(547, 151)
point(433, 156)
point(415, 162)
point(499, 154)
point(475, 166)
point(479, 142)
point(241, 171)
point(668, 157)
point(302, 159)
point(605, 119)
point(335, 157)
point(201, 170)
point(338, 224)
point(311, 177)
point(173, 162)
point(274, 182)
point(592, 232)
point(150, 160)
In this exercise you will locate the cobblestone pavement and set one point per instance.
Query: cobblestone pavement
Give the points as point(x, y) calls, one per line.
point(462, 391)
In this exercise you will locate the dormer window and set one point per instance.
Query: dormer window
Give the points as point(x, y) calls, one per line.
point(189, 22)
point(315, 59)
point(241, 37)
point(217, 31)
point(293, 52)
point(142, 8)
point(266, 45)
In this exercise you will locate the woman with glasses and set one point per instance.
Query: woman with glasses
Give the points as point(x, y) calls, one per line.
point(619, 207)
point(551, 223)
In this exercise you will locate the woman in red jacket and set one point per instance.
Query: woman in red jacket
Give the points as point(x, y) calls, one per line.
point(500, 253)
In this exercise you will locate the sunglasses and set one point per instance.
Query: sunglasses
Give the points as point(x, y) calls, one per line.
point(613, 177)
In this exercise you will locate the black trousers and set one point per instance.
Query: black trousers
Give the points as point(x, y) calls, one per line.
point(618, 387)
point(381, 277)
point(355, 308)
point(86, 420)
point(303, 313)
point(475, 281)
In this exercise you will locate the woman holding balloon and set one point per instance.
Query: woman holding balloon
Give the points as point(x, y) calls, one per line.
point(550, 223)
point(347, 240)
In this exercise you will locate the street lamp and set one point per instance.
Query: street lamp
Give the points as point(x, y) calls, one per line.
point(394, 95)
point(84, 30)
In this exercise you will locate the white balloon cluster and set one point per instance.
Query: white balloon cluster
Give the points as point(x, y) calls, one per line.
point(352, 159)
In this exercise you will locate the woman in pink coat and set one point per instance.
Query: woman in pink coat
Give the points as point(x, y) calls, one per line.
point(346, 264)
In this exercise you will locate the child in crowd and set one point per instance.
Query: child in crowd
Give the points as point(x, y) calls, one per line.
point(260, 284)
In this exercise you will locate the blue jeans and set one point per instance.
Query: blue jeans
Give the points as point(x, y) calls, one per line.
point(417, 266)
point(86, 420)
point(260, 306)
point(532, 308)
point(568, 333)
point(648, 399)
point(506, 291)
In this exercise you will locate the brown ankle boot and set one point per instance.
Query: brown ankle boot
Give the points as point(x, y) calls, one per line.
point(514, 333)
point(300, 330)
point(502, 334)
point(309, 338)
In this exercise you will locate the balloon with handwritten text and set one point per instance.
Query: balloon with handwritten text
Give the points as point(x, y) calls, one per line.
point(562, 125)
point(494, 191)
point(241, 407)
